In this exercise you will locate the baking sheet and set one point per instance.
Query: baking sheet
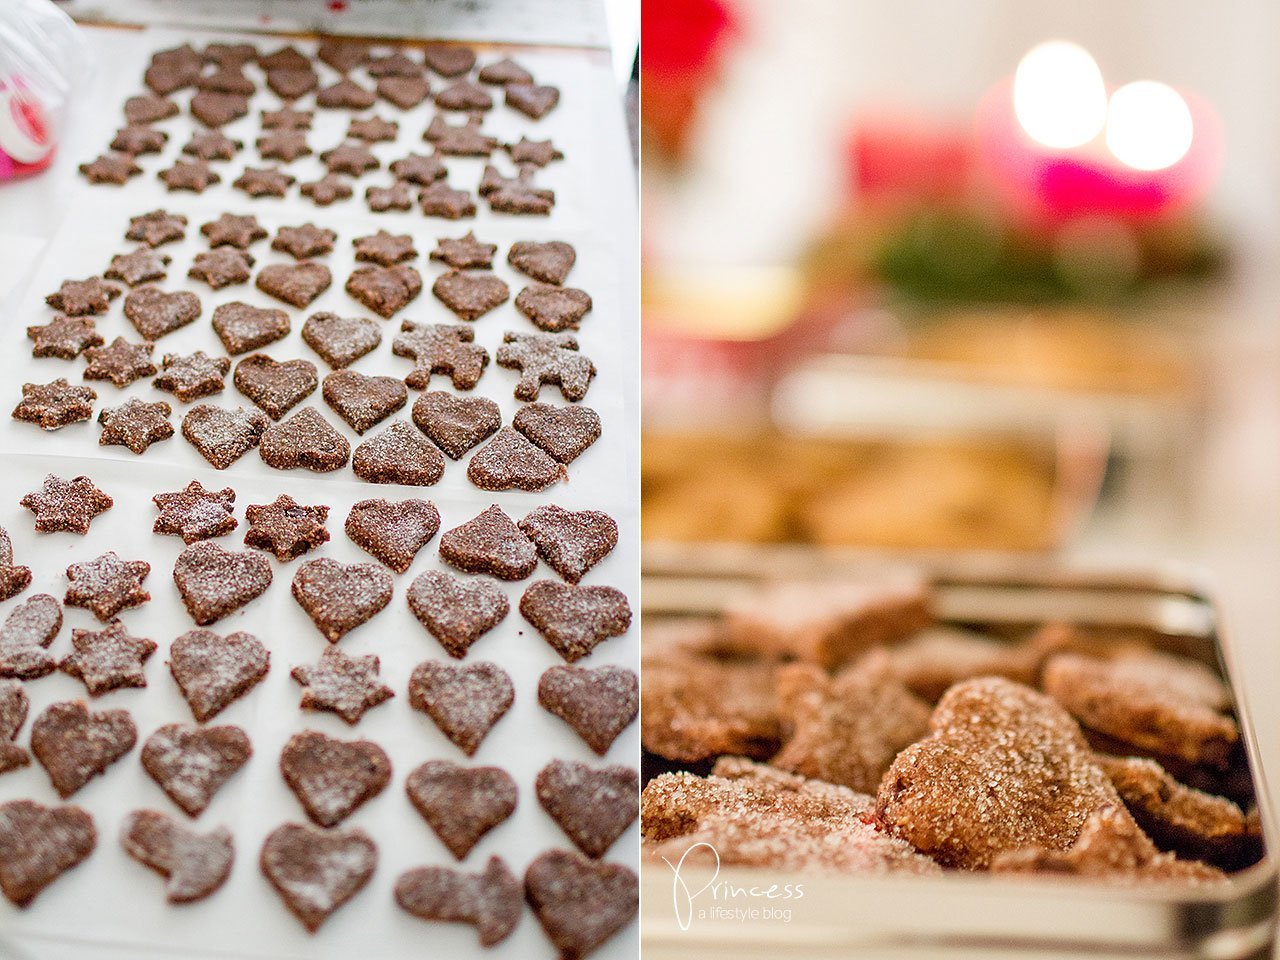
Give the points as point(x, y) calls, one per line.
point(117, 905)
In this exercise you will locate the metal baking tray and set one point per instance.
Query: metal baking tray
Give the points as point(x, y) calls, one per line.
point(971, 915)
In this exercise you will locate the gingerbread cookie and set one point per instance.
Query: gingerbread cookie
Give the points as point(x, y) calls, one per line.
point(537, 152)
point(510, 462)
point(441, 348)
point(264, 182)
point(574, 620)
point(13, 713)
point(470, 295)
point(80, 298)
point(548, 262)
point(563, 432)
point(350, 158)
point(419, 169)
point(441, 200)
point(193, 864)
point(195, 513)
point(361, 400)
point(571, 542)
point(155, 313)
point(222, 267)
point(385, 248)
point(532, 100)
point(191, 764)
point(13, 577)
point(292, 84)
point(553, 308)
point(112, 168)
point(395, 64)
point(121, 362)
point(394, 197)
point(465, 253)
point(465, 96)
point(68, 505)
point(139, 266)
point(490, 901)
point(213, 671)
point(107, 585)
point(216, 109)
point(38, 844)
point(148, 108)
point(373, 129)
point(504, 71)
point(194, 176)
point(345, 94)
point(342, 54)
point(937, 658)
point(593, 806)
point(464, 700)
point(296, 284)
point(234, 230)
point(550, 358)
point(461, 804)
point(135, 424)
point(287, 118)
point(580, 903)
point(214, 582)
point(393, 532)
point(449, 60)
point(455, 611)
point(466, 140)
point(211, 145)
point(328, 189)
point(404, 92)
point(25, 636)
point(64, 337)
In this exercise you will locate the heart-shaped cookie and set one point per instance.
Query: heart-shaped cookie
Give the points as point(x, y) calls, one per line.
point(580, 903)
point(242, 328)
point(27, 631)
point(575, 619)
point(393, 532)
point(317, 871)
point(532, 100)
point(564, 432)
point(338, 597)
point(399, 454)
point(511, 462)
point(38, 844)
point(464, 700)
point(154, 313)
point(549, 262)
point(593, 806)
point(385, 290)
point(213, 671)
point(13, 712)
point(192, 763)
point(490, 901)
point(305, 440)
point(340, 341)
point(984, 731)
point(294, 283)
point(449, 60)
point(274, 386)
point(331, 778)
point(470, 294)
point(598, 703)
point(361, 400)
point(74, 745)
point(456, 424)
point(553, 308)
point(571, 542)
point(193, 864)
point(457, 611)
point(490, 543)
point(214, 582)
point(223, 436)
point(461, 804)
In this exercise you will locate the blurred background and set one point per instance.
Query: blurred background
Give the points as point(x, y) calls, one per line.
point(983, 275)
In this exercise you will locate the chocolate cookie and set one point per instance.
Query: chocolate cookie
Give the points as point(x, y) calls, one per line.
point(465, 140)
point(214, 582)
point(223, 436)
point(287, 118)
point(215, 109)
point(464, 700)
point(38, 844)
point(461, 804)
point(135, 424)
point(305, 440)
point(112, 168)
point(234, 230)
point(305, 241)
point(456, 424)
point(285, 527)
point(394, 197)
point(441, 348)
point(194, 176)
point(470, 295)
point(274, 386)
point(393, 532)
point(74, 745)
point(242, 328)
point(121, 362)
point(338, 597)
point(598, 703)
point(465, 252)
point(532, 100)
point(326, 190)
point(68, 505)
point(155, 313)
point(516, 194)
point(106, 585)
point(211, 145)
point(191, 764)
point(292, 84)
point(13, 578)
point(395, 64)
point(332, 778)
point(548, 262)
point(264, 182)
point(214, 671)
point(347, 686)
point(464, 95)
point(537, 152)
point(504, 71)
point(490, 543)
point(316, 871)
point(570, 542)
point(286, 58)
point(229, 78)
point(419, 169)
point(551, 358)
point(64, 337)
point(231, 54)
point(140, 266)
point(449, 60)
point(573, 619)
point(346, 93)
point(564, 432)
point(55, 405)
point(490, 901)
point(441, 200)
point(579, 902)
point(295, 283)
point(148, 108)
point(404, 92)
point(192, 376)
point(13, 713)
point(193, 864)
point(343, 55)
point(372, 129)
point(385, 290)
point(25, 636)
point(340, 341)
point(455, 611)
point(593, 806)
point(195, 513)
point(350, 158)
point(79, 298)
point(222, 267)
point(398, 454)
point(553, 308)
point(510, 462)
point(361, 400)
point(108, 659)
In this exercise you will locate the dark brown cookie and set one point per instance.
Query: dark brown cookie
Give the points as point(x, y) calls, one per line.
point(326, 190)
point(192, 763)
point(68, 505)
point(564, 432)
point(504, 71)
point(361, 400)
point(574, 620)
point(464, 700)
point(350, 158)
point(598, 703)
point(398, 454)
point(214, 671)
point(25, 636)
point(305, 241)
point(461, 804)
point(441, 348)
point(490, 543)
point(108, 659)
point(404, 92)
point(295, 283)
point(195, 513)
point(55, 405)
point(64, 337)
point(393, 532)
point(456, 424)
point(231, 54)
point(112, 168)
point(580, 903)
point(264, 182)
point(148, 108)
point(38, 844)
point(338, 597)
point(456, 611)
point(14, 704)
point(385, 248)
point(242, 328)
point(470, 295)
point(465, 253)
point(463, 140)
point(316, 871)
point(373, 129)
point(285, 527)
point(234, 230)
point(385, 290)
point(286, 58)
point(347, 686)
point(222, 267)
point(571, 542)
point(553, 308)
point(120, 361)
point(135, 424)
point(516, 194)
point(214, 582)
point(155, 313)
point(449, 60)
point(510, 462)
point(490, 901)
point(419, 169)
point(593, 806)
point(292, 84)
point(464, 95)
point(441, 200)
point(211, 145)
point(276, 387)
point(74, 745)
point(194, 176)
point(171, 70)
point(345, 94)
point(193, 864)
point(215, 109)
point(533, 101)
point(395, 64)
point(223, 436)
point(340, 341)
point(332, 778)
point(537, 152)
point(343, 55)
point(287, 118)
point(394, 197)
point(305, 440)
point(80, 298)
point(14, 578)
point(228, 78)
point(192, 376)
point(106, 585)
point(140, 266)
point(551, 358)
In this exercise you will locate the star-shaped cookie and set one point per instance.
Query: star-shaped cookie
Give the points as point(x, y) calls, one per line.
point(68, 505)
point(195, 513)
point(135, 424)
point(341, 684)
point(108, 659)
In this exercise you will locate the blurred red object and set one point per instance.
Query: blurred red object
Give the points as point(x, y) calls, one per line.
point(894, 158)
point(681, 52)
